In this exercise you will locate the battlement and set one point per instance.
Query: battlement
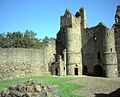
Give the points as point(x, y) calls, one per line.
point(83, 17)
point(69, 20)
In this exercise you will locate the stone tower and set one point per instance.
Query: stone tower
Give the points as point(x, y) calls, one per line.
point(117, 36)
point(83, 18)
point(72, 42)
point(110, 56)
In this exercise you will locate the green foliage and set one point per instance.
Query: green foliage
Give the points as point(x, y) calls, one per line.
point(21, 40)
point(64, 85)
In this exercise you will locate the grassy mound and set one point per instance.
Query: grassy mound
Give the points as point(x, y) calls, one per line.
point(64, 84)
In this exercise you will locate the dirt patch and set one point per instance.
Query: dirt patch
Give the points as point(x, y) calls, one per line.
point(98, 87)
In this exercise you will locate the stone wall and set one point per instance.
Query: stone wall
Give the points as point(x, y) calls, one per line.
point(117, 43)
point(93, 39)
point(18, 62)
point(88, 49)
point(99, 54)
point(117, 36)
point(93, 49)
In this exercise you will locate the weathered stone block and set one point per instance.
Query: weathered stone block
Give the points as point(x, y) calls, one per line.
point(37, 88)
point(29, 89)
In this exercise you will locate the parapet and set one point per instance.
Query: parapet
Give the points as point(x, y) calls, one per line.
point(83, 17)
point(67, 12)
point(69, 20)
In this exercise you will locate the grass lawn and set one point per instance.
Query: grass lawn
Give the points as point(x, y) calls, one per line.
point(65, 87)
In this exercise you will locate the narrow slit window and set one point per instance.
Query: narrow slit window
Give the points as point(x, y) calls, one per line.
point(99, 56)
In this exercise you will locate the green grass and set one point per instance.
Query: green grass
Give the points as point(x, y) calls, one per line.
point(65, 87)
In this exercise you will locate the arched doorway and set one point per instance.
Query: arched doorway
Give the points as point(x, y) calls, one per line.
point(98, 70)
point(85, 70)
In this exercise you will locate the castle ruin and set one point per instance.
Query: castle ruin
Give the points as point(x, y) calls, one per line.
point(77, 50)
point(91, 51)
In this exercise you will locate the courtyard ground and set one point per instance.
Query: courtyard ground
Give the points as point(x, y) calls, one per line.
point(98, 87)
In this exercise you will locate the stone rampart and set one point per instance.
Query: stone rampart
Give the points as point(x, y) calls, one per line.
point(19, 62)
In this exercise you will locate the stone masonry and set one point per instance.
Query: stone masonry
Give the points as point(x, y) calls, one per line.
point(30, 89)
point(90, 51)
point(19, 62)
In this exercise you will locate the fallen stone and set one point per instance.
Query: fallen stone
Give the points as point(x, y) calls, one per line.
point(30, 89)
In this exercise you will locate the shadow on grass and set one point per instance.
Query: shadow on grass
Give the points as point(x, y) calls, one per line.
point(112, 94)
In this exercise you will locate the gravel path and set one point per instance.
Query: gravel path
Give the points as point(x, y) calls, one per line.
point(98, 87)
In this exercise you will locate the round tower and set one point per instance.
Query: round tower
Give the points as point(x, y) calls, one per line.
point(110, 56)
point(73, 47)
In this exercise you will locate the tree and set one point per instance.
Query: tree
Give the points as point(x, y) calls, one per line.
point(22, 40)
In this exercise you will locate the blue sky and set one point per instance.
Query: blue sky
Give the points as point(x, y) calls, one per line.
point(43, 16)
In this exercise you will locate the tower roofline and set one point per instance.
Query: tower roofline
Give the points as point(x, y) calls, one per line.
point(67, 11)
point(82, 8)
point(102, 24)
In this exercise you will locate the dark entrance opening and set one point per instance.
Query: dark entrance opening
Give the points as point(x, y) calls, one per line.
point(98, 71)
point(99, 56)
point(51, 68)
point(76, 71)
point(56, 71)
point(84, 70)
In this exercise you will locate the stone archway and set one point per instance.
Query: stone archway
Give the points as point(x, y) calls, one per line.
point(98, 71)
